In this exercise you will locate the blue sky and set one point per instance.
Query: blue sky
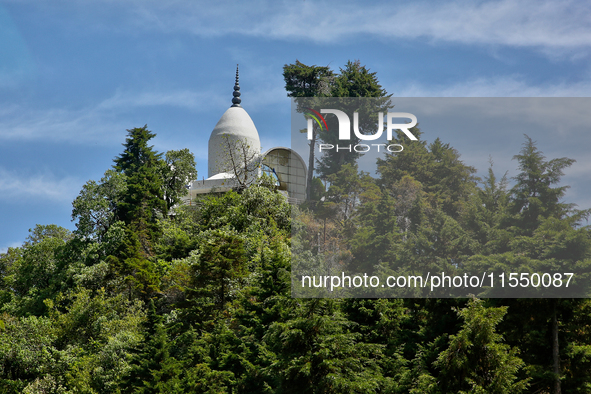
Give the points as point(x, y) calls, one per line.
point(75, 74)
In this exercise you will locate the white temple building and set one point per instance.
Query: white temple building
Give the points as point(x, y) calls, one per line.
point(235, 159)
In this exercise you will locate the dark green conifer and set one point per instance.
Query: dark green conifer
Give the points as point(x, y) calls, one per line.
point(154, 370)
point(140, 207)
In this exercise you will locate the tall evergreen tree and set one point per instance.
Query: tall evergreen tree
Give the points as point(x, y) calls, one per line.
point(140, 207)
point(153, 369)
point(445, 179)
point(477, 361)
point(484, 213)
point(143, 202)
point(308, 81)
point(533, 231)
point(535, 195)
point(545, 229)
point(354, 80)
point(217, 272)
point(317, 352)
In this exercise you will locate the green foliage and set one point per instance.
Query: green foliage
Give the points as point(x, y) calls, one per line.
point(32, 271)
point(143, 202)
point(444, 178)
point(148, 296)
point(154, 370)
point(317, 189)
point(344, 190)
point(257, 209)
point(95, 206)
point(307, 81)
point(178, 234)
point(476, 360)
point(534, 196)
point(101, 331)
point(178, 170)
point(485, 213)
point(317, 352)
point(354, 80)
point(28, 355)
point(219, 264)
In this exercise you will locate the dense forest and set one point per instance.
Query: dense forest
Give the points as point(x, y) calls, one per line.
point(149, 295)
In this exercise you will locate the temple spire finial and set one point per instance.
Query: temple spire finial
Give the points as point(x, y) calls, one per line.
point(236, 99)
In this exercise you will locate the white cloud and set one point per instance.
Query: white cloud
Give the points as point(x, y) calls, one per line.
point(101, 123)
point(543, 24)
point(505, 86)
point(178, 98)
point(45, 186)
point(58, 124)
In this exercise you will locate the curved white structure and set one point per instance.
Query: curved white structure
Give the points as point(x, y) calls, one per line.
point(233, 137)
point(234, 158)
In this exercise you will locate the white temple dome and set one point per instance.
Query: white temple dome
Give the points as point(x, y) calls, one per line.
point(236, 137)
point(236, 132)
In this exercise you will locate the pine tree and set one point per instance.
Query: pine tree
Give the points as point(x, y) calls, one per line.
point(154, 370)
point(308, 81)
point(218, 267)
point(445, 179)
point(530, 230)
point(484, 213)
point(477, 360)
point(534, 195)
point(143, 201)
point(317, 352)
point(354, 81)
point(140, 207)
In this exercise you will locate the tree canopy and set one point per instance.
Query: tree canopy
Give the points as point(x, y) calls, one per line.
point(148, 295)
